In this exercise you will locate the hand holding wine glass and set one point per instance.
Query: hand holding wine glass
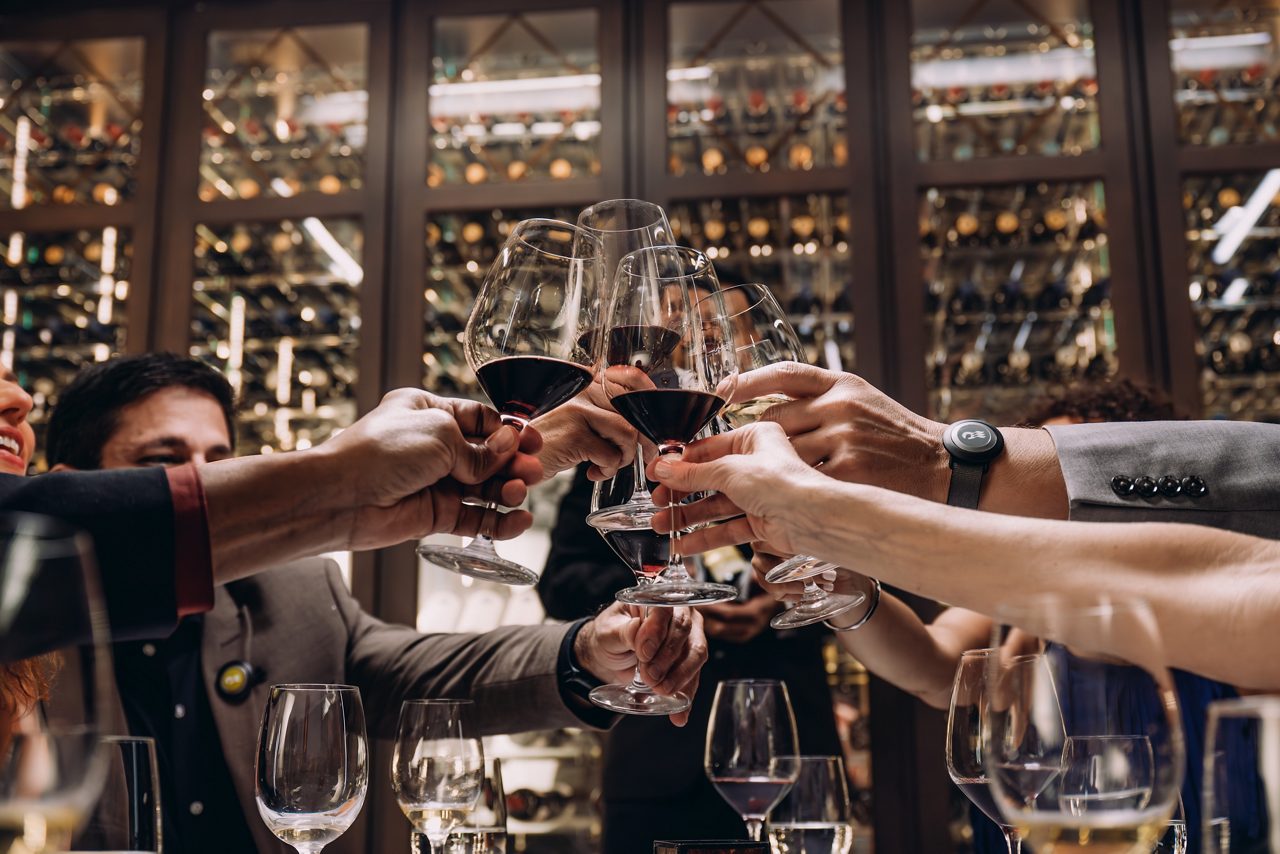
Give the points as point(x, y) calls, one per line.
point(437, 770)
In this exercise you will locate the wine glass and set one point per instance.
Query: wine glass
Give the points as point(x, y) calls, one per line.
point(312, 763)
point(437, 770)
point(623, 226)
point(666, 316)
point(54, 666)
point(964, 739)
point(752, 754)
point(1175, 836)
point(127, 815)
point(763, 336)
point(484, 829)
point(628, 530)
point(529, 341)
point(1083, 744)
point(1242, 777)
point(816, 814)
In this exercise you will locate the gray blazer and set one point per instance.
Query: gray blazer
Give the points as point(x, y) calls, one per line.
point(1238, 463)
point(307, 627)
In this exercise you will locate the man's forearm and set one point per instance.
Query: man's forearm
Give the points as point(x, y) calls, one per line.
point(1027, 479)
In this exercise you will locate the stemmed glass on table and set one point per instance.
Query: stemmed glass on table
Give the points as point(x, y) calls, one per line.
point(763, 336)
point(530, 343)
point(437, 769)
point(55, 664)
point(969, 694)
point(312, 763)
point(484, 829)
point(669, 369)
point(1083, 745)
point(752, 752)
point(815, 817)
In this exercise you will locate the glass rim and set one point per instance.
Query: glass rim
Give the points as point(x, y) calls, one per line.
point(765, 297)
point(130, 739)
point(700, 257)
point(751, 682)
point(444, 702)
point(539, 221)
point(314, 686)
point(604, 205)
point(979, 653)
point(1260, 705)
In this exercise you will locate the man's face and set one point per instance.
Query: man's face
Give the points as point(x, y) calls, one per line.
point(17, 439)
point(168, 428)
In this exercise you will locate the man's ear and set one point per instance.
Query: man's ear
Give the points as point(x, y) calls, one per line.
point(62, 467)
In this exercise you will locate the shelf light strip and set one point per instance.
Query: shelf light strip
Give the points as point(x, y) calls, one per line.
point(1244, 222)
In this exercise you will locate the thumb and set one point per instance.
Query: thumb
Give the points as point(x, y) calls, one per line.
point(688, 477)
point(474, 463)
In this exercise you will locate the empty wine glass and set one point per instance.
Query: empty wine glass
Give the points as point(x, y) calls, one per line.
point(752, 754)
point(969, 693)
point(54, 666)
point(127, 814)
point(1242, 777)
point(1083, 746)
point(816, 816)
point(312, 763)
point(623, 226)
point(629, 532)
point(529, 340)
point(437, 770)
point(484, 829)
point(666, 316)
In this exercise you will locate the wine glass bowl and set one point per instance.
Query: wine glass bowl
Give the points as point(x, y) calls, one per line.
point(437, 769)
point(312, 763)
point(127, 814)
point(529, 340)
point(816, 814)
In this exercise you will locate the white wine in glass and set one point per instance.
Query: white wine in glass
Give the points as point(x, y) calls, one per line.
point(437, 770)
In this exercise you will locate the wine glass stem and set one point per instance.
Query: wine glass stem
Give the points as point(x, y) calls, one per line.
point(1013, 841)
point(309, 848)
point(755, 829)
point(812, 592)
point(675, 571)
point(640, 493)
point(485, 532)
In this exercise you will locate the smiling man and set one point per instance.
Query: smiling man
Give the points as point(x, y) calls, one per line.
point(17, 439)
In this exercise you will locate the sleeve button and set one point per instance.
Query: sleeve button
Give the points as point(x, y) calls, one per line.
point(1146, 486)
point(1122, 486)
point(1194, 486)
point(1170, 486)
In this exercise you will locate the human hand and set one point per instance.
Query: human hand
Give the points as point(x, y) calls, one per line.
point(739, 622)
point(854, 431)
point(586, 429)
point(668, 644)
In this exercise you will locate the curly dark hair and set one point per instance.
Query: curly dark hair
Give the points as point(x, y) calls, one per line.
point(1103, 400)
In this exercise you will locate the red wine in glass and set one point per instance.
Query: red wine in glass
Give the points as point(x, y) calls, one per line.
point(643, 550)
point(669, 417)
point(524, 387)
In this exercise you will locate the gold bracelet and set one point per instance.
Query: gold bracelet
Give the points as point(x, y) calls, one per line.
point(875, 603)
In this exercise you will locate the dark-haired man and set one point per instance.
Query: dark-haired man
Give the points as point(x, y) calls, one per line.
point(162, 410)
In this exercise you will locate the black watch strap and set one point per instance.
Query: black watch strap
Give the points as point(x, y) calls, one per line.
point(966, 484)
point(973, 445)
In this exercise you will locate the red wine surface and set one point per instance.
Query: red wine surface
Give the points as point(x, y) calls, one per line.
point(529, 386)
point(668, 416)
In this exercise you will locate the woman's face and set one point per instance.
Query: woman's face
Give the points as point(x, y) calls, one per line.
point(17, 439)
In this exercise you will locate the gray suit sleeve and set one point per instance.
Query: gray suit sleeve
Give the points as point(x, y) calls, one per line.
point(510, 672)
point(1239, 462)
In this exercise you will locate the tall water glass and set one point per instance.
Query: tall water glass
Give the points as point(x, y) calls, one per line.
point(816, 815)
point(1242, 777)
point(437, 770)
point(313, 763)
point(126, 817)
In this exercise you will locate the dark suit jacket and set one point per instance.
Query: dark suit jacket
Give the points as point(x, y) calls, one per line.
point(648, 758)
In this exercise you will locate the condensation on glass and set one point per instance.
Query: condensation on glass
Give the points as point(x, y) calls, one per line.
point(1233, 269)
point(460, 249)
point(799, 245)
point(275, 306)
point(285, 111)
point(1225, 59)
point(515, 97)
point(62, 306)
point(70, 121)
point(1003, 78)
point(1017, 295)
point(755, 86)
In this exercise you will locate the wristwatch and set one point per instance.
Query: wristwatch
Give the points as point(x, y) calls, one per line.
point(973, 445)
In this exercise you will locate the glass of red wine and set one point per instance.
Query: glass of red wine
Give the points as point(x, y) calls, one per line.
point(752, 754)
point(525, 341)
point(629, 532)
point(623, 226)
point(669, 369)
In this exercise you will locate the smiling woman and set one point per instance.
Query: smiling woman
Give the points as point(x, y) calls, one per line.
point(17, 439)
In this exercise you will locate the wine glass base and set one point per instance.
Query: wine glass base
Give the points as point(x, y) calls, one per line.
point(673, 594)
point(808, 613)
point(628, 701)
point(798, 568)
point(486, 567)
point(623, 517)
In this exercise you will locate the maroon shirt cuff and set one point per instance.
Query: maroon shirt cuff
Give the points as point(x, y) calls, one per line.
point(193, 562)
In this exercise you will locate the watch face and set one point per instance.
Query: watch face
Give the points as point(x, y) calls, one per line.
point(975, 437)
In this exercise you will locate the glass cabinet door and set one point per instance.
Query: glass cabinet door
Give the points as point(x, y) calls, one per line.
point(515, 97)
point(285, 111)
point(1003, 77)
point(1017, 293)
point(755, 87)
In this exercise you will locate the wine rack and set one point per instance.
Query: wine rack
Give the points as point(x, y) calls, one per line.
point(63, 297)
point(276, 306)
point(285, 111)
point(460, 248)
point(1017, 294)
point(1225, 59)
point(70, 122)
point(1233, 235)
point(755, 86)
point(1002, 78)
point(515, 98)
point(799, 245)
